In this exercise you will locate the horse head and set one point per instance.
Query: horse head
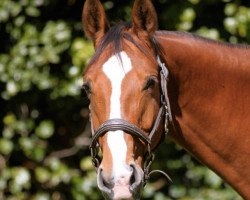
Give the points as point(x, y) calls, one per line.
point(123, 82)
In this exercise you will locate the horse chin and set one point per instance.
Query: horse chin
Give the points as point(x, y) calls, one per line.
point(127, 192)
point(122, 192)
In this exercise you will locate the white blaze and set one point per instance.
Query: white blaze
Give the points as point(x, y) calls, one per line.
point(116, 71)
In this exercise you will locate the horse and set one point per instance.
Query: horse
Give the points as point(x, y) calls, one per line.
point(142, 82)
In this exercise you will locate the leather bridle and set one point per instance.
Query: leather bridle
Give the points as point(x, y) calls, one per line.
point(129, 128)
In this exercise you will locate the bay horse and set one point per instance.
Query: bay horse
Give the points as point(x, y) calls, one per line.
point(208, 89)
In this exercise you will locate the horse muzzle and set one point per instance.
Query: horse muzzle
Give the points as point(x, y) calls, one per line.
point(127, 187)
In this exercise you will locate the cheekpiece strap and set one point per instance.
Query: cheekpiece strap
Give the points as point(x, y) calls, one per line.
point(164, 81)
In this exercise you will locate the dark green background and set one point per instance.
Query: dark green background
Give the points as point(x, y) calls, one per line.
point(43, 113)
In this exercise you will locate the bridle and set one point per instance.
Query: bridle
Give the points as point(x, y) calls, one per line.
point(129, 128)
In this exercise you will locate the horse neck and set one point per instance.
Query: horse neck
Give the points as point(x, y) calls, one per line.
point(209, 94)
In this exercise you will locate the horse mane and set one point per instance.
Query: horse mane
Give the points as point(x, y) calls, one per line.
point(204, 39)
point(119, 32)
point(115, 37)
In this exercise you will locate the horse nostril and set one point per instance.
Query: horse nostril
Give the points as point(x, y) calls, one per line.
point(103, 185)
point(135, 179)
point(132, 178)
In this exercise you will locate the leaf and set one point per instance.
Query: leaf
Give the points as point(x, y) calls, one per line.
point(45, 129)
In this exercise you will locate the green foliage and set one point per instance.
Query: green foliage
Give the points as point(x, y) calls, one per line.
point(43, 146)
point(45, 129)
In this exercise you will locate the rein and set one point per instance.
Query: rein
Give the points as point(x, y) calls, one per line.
point(129, 128)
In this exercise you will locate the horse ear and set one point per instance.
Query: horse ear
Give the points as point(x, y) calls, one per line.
point(95, 23)
point(144, 17)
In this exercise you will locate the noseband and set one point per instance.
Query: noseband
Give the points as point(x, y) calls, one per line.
point(129, 128)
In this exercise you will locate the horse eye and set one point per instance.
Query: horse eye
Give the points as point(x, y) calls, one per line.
point(86, 87)
point(85, 94)
point(150, 83)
